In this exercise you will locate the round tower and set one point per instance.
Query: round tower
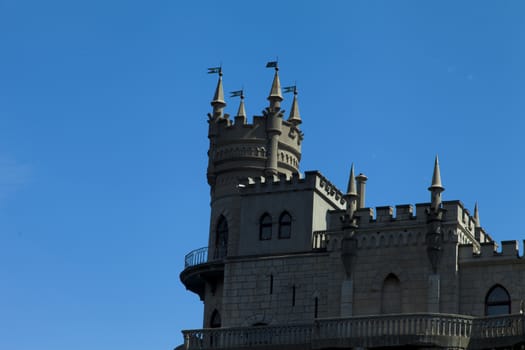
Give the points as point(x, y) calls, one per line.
point(270, 146)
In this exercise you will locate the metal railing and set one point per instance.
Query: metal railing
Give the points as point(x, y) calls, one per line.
point(196, 257)
point(380, 330)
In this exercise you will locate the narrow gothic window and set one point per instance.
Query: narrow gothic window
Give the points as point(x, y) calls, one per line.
point(221, 238)
point(316, 307)
point(215, 321)
point(391, 295)
point(271, 284)
point(285, 225)
point(293, 296)
point(265, 227)
point(497, 301)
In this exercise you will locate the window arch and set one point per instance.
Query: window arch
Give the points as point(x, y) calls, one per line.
point(497, 301)
point(265, 227)
point(285, 225)
point(391, 295)
point(215, 319)
point(221, 238)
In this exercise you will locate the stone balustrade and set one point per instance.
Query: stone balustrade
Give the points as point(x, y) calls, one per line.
point(319, 240)
point(441, 330)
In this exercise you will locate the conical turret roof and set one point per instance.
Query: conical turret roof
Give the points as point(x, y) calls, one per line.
point(275, 92)
point(351, 189)
point(218, 97)
point(295, 116)
point(241, 112)
point(436, 177)
point(476, 215)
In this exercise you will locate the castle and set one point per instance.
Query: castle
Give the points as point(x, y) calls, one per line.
point(295, 263)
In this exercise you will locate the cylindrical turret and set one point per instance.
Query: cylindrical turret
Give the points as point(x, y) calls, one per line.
point(361, 190)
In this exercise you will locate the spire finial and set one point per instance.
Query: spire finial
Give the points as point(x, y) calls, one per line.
point(351, 189)
point(476, 215)
point(436, 177)
point(295, 116)
point(275, 96)
point(241, 112)
point(351, 199)
point(436, 188)
point(218, 103)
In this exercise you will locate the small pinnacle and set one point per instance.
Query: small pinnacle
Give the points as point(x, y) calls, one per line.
point(295, 116)
point(241, 112)
point(218, 97)
point(436, 177)
point(275, 92)
point(476, 215)
point(351, 190)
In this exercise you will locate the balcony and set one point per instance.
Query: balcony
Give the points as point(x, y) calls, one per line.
point(198, 271)
point(424, 330)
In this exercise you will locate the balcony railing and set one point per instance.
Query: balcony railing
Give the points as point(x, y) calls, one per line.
point(196, 257)
point(370, 331)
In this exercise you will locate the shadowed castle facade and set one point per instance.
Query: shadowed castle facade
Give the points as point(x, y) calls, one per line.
point(294, 263)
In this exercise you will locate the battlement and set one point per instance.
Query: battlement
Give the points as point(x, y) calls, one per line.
point(312, 181)
point(454, 211)
point(488, 251)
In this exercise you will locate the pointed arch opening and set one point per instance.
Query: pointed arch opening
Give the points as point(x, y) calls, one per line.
point(285, 225)
point(221, 238)
point(215, 319)
point(497, 301)
point(265, 227)
point(391, 295)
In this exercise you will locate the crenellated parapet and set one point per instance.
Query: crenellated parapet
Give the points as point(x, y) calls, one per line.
point(406, 224)
point(313, 181)
point(490, 252)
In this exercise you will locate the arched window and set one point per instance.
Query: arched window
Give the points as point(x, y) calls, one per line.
point(215, 320)
point(497, 301)
point(221, 238)
point(391, 295)
point(265, 227)
point(285, 225)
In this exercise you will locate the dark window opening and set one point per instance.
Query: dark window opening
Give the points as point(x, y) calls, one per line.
point(285, 226)
point(271, 284)
point(221, 238)
point(293, 296)
point(316, 307)
point(497, 301)
point(265, 227)
point(215, 321)
point(391, 295)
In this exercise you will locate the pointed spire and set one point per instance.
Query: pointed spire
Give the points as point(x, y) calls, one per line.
point(476, 215)
point(241, 112)
point(436, 177)
point(351, 189)
point(276, 96)
point(295, 116)
point(436, 188)
point(218, 98)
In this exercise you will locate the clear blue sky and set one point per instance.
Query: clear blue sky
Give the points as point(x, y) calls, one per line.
point(103, 137)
